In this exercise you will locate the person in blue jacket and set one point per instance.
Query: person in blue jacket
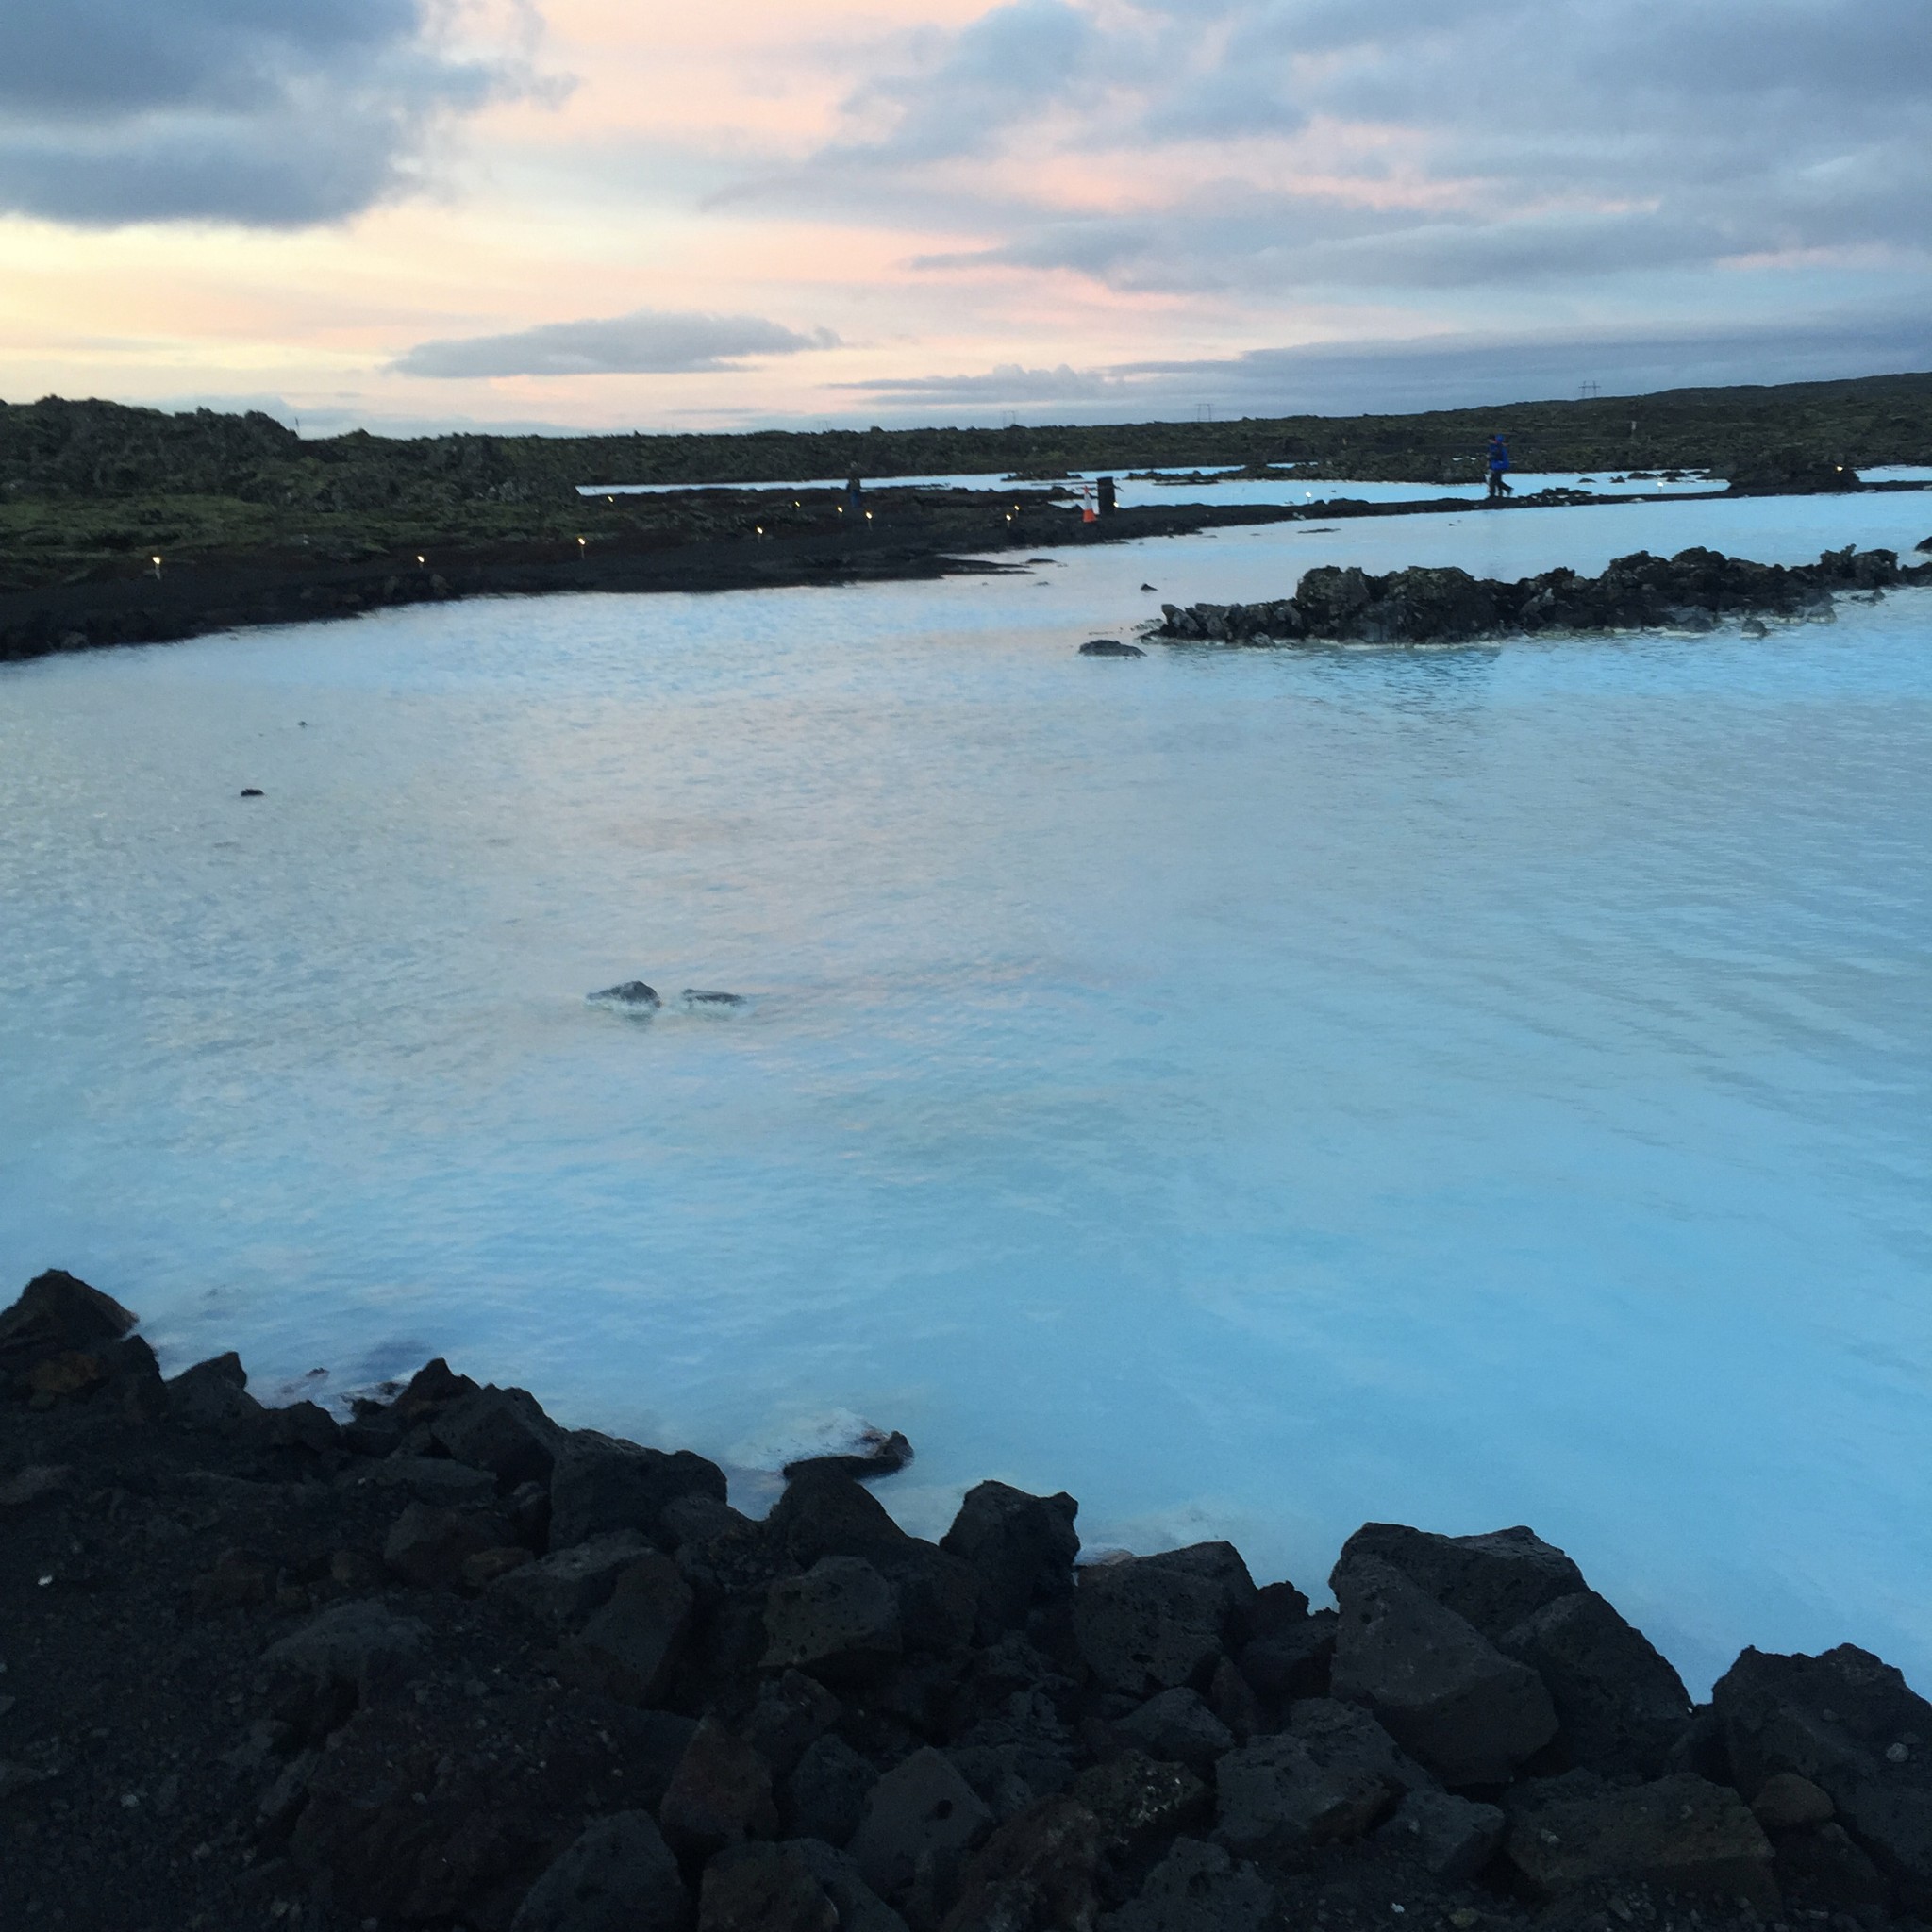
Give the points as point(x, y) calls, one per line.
point(1499, 466)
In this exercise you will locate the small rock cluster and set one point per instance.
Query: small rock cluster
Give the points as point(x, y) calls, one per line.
point(1694, 591)
point(449, 1664)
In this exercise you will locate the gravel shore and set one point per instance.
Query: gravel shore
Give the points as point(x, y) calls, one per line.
point(442, 1661)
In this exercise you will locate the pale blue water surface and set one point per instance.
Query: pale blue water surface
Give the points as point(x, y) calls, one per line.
point(1257, 1090)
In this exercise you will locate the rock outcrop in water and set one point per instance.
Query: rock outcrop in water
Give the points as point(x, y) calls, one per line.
point(632, 996)
point(1695, 589)
point(448, 1663)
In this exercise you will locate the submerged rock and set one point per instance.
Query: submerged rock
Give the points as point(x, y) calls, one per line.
point(874, 1453)
point(633, 996)
point(696, 1000)
point(1109, 647)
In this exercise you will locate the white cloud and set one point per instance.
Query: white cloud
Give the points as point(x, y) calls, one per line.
point(649, 341)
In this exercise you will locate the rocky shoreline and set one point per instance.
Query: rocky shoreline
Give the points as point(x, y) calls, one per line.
point(446, 1663)
point(1695, 589)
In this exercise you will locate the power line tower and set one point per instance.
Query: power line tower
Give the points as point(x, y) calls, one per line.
point(1588, 392)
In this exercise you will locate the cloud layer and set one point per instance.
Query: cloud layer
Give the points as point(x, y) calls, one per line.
point(648, 342)
point(1075, 208)
point(253, 111)
point(1447, 373)
point(1290, 145)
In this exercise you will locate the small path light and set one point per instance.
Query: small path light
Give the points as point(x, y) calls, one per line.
point(867, 516)
point(581, 548)
point(758, 529)
point(157, 562)
point(419, 557)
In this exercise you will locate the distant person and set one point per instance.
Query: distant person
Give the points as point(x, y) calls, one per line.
point(855, 492)
point(1499, 469)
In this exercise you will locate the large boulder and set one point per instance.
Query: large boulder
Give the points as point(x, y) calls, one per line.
point(1331, 1777)
point(560, 1590)
point(629, 1648)
point(618, 1876)
point(1139, 1802)
point(1850, 1725)
point(599, 1484)
point(503, 1430)
point(1493, 1580)
point(1424, 605)
point(823, 1795)
point(1446, 1695)
point(428, 1478)
point(1622, 1707)
point(350, 1656)
point(859, 1907)
point(922, 1808)
point(719, 1793)
point(1290, 1660)
point(1034, 1873)
point(1678, 1834)
point(1449, 1836)
point(1150, 1623)
point(58, 1314)
point(1197, 1887)
point(826, 1514)
point(212, 1395)
point(429, 1547)
point(791, 1715)
point(1021, 1548)
point(429, 1390)
point(1178, 1725)
point(1331, 600)
point(839, 1621)
point(764, 1888)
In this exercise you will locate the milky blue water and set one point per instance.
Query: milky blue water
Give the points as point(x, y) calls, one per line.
point(1211, 484)
point(1257, 1091)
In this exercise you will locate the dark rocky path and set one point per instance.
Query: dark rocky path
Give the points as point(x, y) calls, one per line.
point(453, 1665)
point(913, 534)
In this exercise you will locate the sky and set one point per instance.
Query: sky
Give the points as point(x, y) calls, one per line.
point(415, 214)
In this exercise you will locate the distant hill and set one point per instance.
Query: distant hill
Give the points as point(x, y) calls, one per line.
point(57, 449)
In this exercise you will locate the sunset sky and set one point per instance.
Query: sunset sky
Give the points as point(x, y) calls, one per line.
point(407, 214)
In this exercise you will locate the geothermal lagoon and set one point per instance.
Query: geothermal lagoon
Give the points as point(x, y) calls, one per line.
point(1256, 1090)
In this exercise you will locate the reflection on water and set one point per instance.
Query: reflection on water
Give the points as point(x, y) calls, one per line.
point(1257, 1090)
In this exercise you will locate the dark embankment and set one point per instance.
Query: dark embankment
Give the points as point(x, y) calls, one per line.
point(709, 539)
point(1696, 589)
point(253, 524)
point(712, 541)
point(1786, 434)
point(451, 1664)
